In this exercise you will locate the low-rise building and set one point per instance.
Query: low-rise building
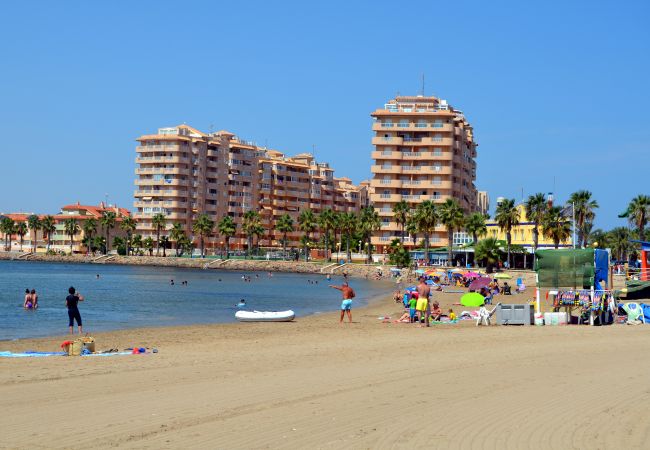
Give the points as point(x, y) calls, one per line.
point(59, 240)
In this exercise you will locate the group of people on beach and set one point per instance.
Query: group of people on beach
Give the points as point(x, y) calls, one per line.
point(420, 308)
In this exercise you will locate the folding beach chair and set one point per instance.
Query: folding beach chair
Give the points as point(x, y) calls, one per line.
point(484, 315)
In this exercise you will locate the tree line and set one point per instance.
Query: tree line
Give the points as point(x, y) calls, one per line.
point(554, 222)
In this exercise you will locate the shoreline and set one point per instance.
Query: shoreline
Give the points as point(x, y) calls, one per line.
point(121, 335)
point(323, 268)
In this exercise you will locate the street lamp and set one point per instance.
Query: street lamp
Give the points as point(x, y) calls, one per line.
point(221, 245)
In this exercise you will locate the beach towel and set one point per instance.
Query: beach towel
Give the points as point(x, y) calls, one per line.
point(44, 354)
point(30, 354)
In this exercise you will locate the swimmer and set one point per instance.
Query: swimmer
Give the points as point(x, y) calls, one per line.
point(97, 276)
point(34, 299)
point(171, 282)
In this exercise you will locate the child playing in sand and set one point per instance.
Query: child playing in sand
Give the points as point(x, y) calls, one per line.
point(452, 315)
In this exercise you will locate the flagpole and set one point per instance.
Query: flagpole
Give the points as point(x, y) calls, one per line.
point(573, 213)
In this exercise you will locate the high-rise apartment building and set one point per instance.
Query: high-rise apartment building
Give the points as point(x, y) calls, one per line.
point(183, 172)
point(423, 150)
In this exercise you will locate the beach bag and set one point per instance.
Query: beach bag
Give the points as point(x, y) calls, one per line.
point(74, 348)
point(88, 343)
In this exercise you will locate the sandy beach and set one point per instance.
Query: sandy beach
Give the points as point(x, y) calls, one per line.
point(315, 383)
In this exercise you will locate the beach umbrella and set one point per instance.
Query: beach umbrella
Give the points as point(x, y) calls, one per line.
point(457, 270)
point(411, 289)
point(502, 276)
point(472, 299)
point(472, 275)
point(420, 271)
point(478, 283)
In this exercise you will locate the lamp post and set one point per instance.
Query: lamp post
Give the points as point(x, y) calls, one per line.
point(222, 250)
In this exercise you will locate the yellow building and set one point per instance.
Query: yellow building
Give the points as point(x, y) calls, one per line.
point(522, 234)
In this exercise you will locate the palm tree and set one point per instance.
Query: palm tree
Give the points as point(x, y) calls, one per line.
point(164, 240)
point(369, 222)
point(71, 228)
point(128, 225)
point(108, 222)
point(147, 244)
point(598, 239)
point(119, 242)
point(99, 242)
point(89, 228)
point(425, 219)
point(176, 234)
point(412, 227)
point(488, 251)
point(159, 221)
point(507, 217)
point(203, 227)
point(401, 214)
point(327, 222)
point(535, 206)
point(252, 225)
point(583, 207)
point(136, 242)
point(452, 217)
point(307, 224)
point(34, 224)
point(349, 226)
point(475, 225)
point(284, 225)
point(21, 231)
point(48, 225)
point(638, 212)
point(227, 228)
point(7, 226)
point(555, 226)
point(619, 242)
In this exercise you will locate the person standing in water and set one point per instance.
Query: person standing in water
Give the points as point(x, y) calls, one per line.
point(28, 304)
point(34, 299)
point(71, 302)
point(346, 304)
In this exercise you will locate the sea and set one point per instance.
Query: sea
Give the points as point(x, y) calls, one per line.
point(121, 297)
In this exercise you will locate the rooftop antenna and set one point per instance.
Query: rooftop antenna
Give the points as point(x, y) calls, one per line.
point(422, 92)
point(210, 128)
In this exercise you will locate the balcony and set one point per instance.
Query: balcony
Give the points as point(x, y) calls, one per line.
point(386, 155)
point(159, 148)
point(385, 198)
point(161, 159)
point(385, 169)
point(162, 170)
point(390, 140)
point(378, 183)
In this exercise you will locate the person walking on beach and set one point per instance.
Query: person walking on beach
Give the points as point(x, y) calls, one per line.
point(346, 304)
point(424, 291)
point(71, 302)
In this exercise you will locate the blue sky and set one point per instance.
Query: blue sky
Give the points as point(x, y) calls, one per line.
point(555, 90)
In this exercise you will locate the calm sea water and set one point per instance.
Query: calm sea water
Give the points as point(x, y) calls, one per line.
point(132, 296)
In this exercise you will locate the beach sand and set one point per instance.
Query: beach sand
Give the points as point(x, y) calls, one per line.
point(317, 384)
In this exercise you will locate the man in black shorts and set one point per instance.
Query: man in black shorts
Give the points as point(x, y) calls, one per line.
point(71, 301)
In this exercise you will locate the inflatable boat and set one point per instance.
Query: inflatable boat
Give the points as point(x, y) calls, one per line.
point(265, 316)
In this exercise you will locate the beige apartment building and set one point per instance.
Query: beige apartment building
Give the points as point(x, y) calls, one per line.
point(424, 149)
point(183, 172)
